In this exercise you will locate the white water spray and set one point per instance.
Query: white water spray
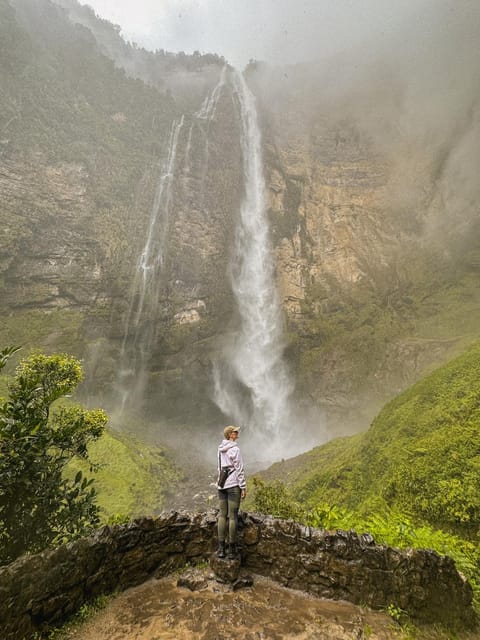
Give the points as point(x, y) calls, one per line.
point(139, 332)
point(153, 254)
point(253, 385)
point(188, 151)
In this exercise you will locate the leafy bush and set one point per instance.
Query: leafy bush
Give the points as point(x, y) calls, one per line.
point(276, 500)
point(38, 505)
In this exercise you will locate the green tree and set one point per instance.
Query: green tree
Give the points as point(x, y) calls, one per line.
point(38, 505)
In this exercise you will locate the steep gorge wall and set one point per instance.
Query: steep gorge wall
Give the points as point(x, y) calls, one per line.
point(79, 143)
point(195, 299)
point(372, 296)
point(372, 277)
point(81, 160)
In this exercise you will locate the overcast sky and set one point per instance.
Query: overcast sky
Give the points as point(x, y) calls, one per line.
point(273, 30)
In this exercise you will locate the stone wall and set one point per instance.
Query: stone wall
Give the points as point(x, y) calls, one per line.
point(44, 589)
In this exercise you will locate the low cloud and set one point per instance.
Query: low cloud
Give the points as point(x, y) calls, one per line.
point(278, 31)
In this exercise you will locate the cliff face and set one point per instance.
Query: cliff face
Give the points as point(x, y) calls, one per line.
point(190, 303)
point(373, 289)
point(332, 238)
point(83, 152)
point(377, 250)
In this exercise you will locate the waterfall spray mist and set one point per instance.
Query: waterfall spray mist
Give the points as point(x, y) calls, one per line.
point(252, 385)
point(209, 105)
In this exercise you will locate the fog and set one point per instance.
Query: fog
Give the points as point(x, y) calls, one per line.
point(277, 31)
point(415, 94)
point(406, 71)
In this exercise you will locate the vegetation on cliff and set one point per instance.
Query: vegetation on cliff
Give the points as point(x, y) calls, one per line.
point(416, 313)
point(59, 95)
point(80, 144)
point(85, 124)
point(84, 140)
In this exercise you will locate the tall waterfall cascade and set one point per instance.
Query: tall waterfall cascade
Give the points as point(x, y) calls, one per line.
point(252, 384)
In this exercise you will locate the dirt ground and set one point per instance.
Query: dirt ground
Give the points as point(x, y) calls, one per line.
point(161, 610)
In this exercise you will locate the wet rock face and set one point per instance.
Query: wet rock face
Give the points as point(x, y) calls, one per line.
point(50, 255)
point(192, 579)
point(46, 588)
point(226, 575)
point(225, 569)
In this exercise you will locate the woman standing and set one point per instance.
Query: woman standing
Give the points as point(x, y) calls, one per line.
point(233, 490)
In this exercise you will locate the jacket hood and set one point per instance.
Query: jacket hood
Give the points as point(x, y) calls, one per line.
point(226, 445)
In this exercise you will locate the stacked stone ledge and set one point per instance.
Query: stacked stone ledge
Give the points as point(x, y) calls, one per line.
point(44, 589)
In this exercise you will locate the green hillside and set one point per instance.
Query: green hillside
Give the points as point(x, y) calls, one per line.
point(411, 480)
point(421, 455)
point(132, 478)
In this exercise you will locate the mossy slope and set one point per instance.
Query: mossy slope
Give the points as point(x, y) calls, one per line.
point(421, 454)
point(133, 478)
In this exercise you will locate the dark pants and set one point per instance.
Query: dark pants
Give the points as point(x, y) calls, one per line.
point(229, 505)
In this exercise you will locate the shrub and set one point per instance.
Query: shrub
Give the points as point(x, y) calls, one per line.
point(38, 505)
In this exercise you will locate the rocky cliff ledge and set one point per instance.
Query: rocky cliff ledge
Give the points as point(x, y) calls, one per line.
point(46, 588)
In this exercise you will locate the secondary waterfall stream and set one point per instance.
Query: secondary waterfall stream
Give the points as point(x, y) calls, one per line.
point(144, 314)
point(252, 385)
point(140, 325)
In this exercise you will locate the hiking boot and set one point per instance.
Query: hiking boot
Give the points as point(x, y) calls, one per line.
point(221, 552)
point(232, 551)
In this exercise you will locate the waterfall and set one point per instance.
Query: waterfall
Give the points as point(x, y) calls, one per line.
point(202, 120)
point(209, 105)
point(188, 151)
point(144, 312)
point(252, 384)
point(140, 325)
